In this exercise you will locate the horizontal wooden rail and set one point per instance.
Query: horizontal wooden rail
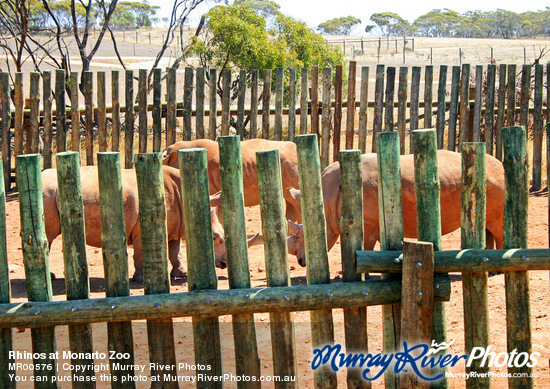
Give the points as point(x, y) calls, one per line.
point(471, 260)
point(206, 303)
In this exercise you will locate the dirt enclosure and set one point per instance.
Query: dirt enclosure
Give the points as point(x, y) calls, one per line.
point(540, 301)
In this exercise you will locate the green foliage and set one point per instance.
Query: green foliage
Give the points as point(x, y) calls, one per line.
point(238, 37)
point(339, 26)
point(391, 24)
point(134, 14)
point(266, 8)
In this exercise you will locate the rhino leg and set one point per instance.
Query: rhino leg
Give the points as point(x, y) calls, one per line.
point(138, 261)
point(178, 268)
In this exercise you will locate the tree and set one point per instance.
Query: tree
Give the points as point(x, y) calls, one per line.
point(237, 37)
point(391, 24)
point(339, 26)
point(134, 14)
point(266, 8)
point(437, 23)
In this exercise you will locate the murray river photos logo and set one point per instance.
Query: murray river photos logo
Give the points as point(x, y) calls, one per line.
point(419, 359)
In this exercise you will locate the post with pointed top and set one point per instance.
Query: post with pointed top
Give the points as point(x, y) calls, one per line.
point(518, 306)
point(322, 329)
point(428, 216)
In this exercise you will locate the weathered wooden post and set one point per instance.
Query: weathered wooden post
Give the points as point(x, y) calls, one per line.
point(428, 215)
point(199, 98)
point(115, 115)
point(453, 108)
point(187, 102)
point(32, 132)
point(87, 84)
point(115, 261)
point(537, 128)
point(253, 133)
point(274, 231)
point(278, 129)
point(314, 222)
point(428, 95)
point(266, 97)
point(518, 306)
point(35, 258)
point(351, 236)
point(490, 108)
point(501, 114)
point(154, 243)
point(240, 103)
point(171, 84)
point(402, 106)
point(524, 99)
point(303, 102)
point(19, 114)
point(391, 231)
point(60, 115)
point(474, 284)
point(6, 121)
point(464, 107)
point(325, 118)
point(292, 104)
point(71, 216)
point(415, 98)
point(511, 96)
point(129, 121)
point(244, 331)
point(388, 104)
point(314, 97)
point(363, 105)
point(75, 112)
point(47, 124)
point(350, 105)
point(212, 109)
point(337, 127)
point(157, 110)
point(378, 104)
point(441, 106)
point(5, 294)
point(101, 112)
point(142, 110)
point(226, 101)
point(200, 256)
point(477, 103)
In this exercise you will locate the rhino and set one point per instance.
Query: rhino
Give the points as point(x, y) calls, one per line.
point(450, 177)
point(174, 215)
point(289, 168)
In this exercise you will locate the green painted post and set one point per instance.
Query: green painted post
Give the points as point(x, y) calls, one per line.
point(391, 232)
point(537, 128)
point(35, 258)
point(351, 236)
point(142, 110)
point(87, 84)
point(115, 261)
point(47, 117)
point(154, 242)
point(226, 101)
point(415, 98)
point(129, 121)
point(199, 98)
point(5, 132)
point(71, 216)
point(274, 231)
point(244, 331)
point(18, 116)
point(5, 293)
point(322, 329)
point(428, 216)
point(518, 307)
point(402, 106)
point(201, 273)
point(474, 284)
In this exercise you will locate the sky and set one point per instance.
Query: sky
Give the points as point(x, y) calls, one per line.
point(314, 12)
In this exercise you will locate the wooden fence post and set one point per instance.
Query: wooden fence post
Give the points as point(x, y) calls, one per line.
point(142, 110)
point(212, 104)
point(157, 113)
point(537, 128)
point(490, 108)
point(518, 306)
point(71, 216)
point(60, 116)
point(378, 104)
point(199, 97)
point(511, 96)
point(415, 98)
point(453, 108)
point(6, 121)
point(101, 112)
point(325, 118)
point(75, 111)
point(428, 95)
point(35, 257)
point(501, 114)
point(115, 261)
point(278, 129)
point(464, 107)
point(254, 104)
point(274, 231)
point(19, 104)
point(441, 106)
point(129, 121)
point(351, 235)
point(314, 97)
point(524, 100)
point(292, 104)
point(154, 243)
point(429, 216)
point(391, 232)
point(390, 92)
point(47, 124)
point(244, 331)
point(171, 84)
point(226, 101)
point(350, 105)
point(477, 103)
point(322, 329)
point(303, 102)
point(474, 284)
point(87, 84)
point(337, 127)
point(6, 344)
point(241, 103)
point(266, 97)
point(115, 115)
point(402, 106)
point(32, 132)
point(187, 102)
point(417, 301)
point(363, 106)
point(200, 256)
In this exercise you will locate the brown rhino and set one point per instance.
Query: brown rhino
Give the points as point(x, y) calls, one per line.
point(289, 168)
point(450, 176)
point(90, 195)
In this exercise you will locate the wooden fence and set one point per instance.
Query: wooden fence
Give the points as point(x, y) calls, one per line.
point(476, 107)
point(416, 290)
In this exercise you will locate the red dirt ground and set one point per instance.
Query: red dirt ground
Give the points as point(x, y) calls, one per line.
point(540, 301)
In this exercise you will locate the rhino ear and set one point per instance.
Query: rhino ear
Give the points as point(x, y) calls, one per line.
point(294, 228)
point(165, 154)
point(216, 199)
point(293, 195)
